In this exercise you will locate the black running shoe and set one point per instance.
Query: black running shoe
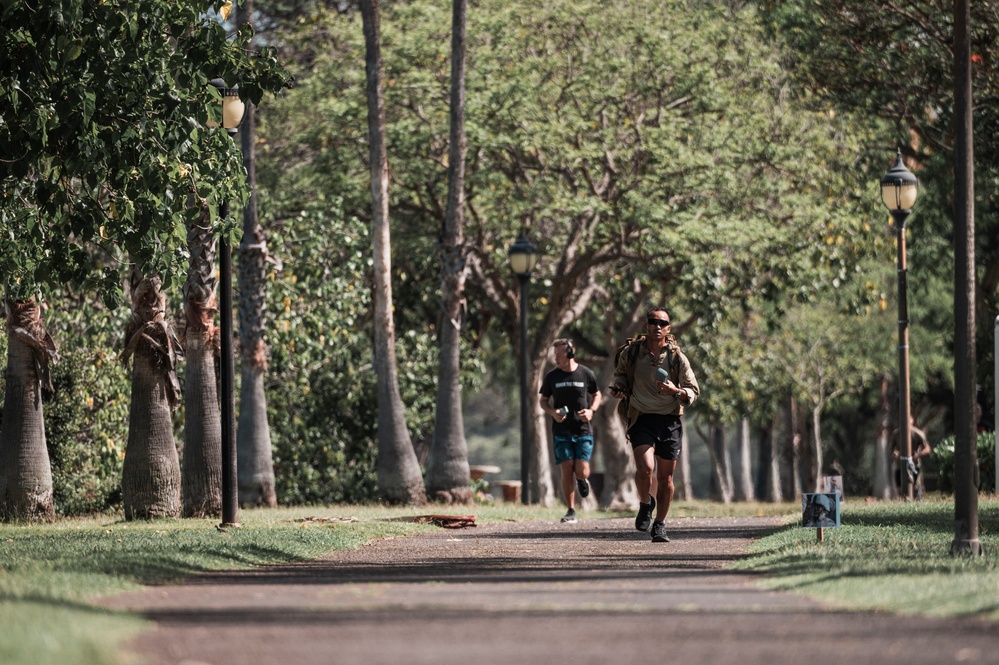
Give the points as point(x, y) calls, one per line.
point(583, 487)
point(644, 519)
point(570, 517)
point(659, 533)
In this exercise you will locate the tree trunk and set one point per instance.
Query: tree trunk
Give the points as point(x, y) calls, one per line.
point(398, 471)
point(25, 473)
point(682, 483)
point(201, 481)
point(150, 480)
point(815, 468)
point(619, 492)
point(770, 484)
point(254, 457)
point(746, 490)
point(447, 468)
point(721, 466)
point(542, 484)
point(793, 449)
point(884, 488)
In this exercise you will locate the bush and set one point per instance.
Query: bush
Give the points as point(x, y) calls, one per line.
point(86, 428)
point(941, 461)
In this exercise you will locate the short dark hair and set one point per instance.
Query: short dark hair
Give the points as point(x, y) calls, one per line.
point(649, 314)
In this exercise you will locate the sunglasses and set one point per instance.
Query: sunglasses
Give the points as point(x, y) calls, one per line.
point(658, 322)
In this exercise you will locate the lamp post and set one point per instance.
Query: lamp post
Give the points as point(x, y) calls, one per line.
point(233, 110)
point(899, 189)
point(523, 258)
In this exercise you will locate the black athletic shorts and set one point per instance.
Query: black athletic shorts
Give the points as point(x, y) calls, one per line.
point(662, 432)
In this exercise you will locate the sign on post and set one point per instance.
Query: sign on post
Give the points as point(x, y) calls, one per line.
point(819, 510)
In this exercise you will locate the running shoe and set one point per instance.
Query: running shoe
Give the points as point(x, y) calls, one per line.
point(644, 519)
point(659, 533)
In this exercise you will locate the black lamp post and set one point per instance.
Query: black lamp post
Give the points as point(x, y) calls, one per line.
point(899, 189)
point(233, 110)
point(523, 258)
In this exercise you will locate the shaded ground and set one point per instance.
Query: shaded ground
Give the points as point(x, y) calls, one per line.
point(531, 592)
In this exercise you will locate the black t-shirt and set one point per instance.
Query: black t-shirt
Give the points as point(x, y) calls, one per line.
point(571, 389)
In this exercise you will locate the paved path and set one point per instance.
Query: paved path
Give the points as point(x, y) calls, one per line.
point(532, 592)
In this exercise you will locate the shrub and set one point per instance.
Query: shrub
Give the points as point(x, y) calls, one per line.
point(941, 461)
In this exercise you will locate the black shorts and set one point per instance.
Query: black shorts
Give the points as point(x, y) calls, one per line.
point(662, 432)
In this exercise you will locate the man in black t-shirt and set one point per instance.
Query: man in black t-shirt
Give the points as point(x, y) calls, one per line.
point(570, 396)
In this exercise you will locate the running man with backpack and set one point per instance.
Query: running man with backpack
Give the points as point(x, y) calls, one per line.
point(655, 382)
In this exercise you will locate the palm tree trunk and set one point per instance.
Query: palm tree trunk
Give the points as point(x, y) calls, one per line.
point(25, 473)
point(150, 479)
point(398, 470)
point(202, 464)
point(255, 461)
point(447, 469)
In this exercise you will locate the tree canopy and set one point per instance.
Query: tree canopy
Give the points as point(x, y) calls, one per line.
point(102, 113)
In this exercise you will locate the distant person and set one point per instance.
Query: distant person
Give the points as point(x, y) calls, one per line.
point(656, 377)
point(913, 465)
point(569, 395)
point(981, 423)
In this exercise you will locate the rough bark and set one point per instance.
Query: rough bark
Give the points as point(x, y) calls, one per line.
point(25, 472)
point(447, 468)
point(255, 460)
point(151, 473)
point(202, 461)
point(398, 471)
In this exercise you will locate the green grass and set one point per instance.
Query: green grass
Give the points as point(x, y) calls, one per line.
point(894, 553)
point(48, 572)
point(888, 556)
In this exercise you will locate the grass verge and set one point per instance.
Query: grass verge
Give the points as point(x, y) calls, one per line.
point(887, 556)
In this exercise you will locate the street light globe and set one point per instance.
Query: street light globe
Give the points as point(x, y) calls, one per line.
point(523, 256)
point(233, 108)
point(899, 187)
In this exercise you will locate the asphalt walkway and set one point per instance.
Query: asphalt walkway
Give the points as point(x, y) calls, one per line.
point(597, 592)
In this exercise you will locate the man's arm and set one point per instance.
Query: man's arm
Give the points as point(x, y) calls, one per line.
point(598, 399)
point(545, 402)
point(688, 382)
point(619, 386)
point(923, 449)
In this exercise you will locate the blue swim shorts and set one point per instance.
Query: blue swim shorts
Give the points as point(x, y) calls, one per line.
point(572, 447)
